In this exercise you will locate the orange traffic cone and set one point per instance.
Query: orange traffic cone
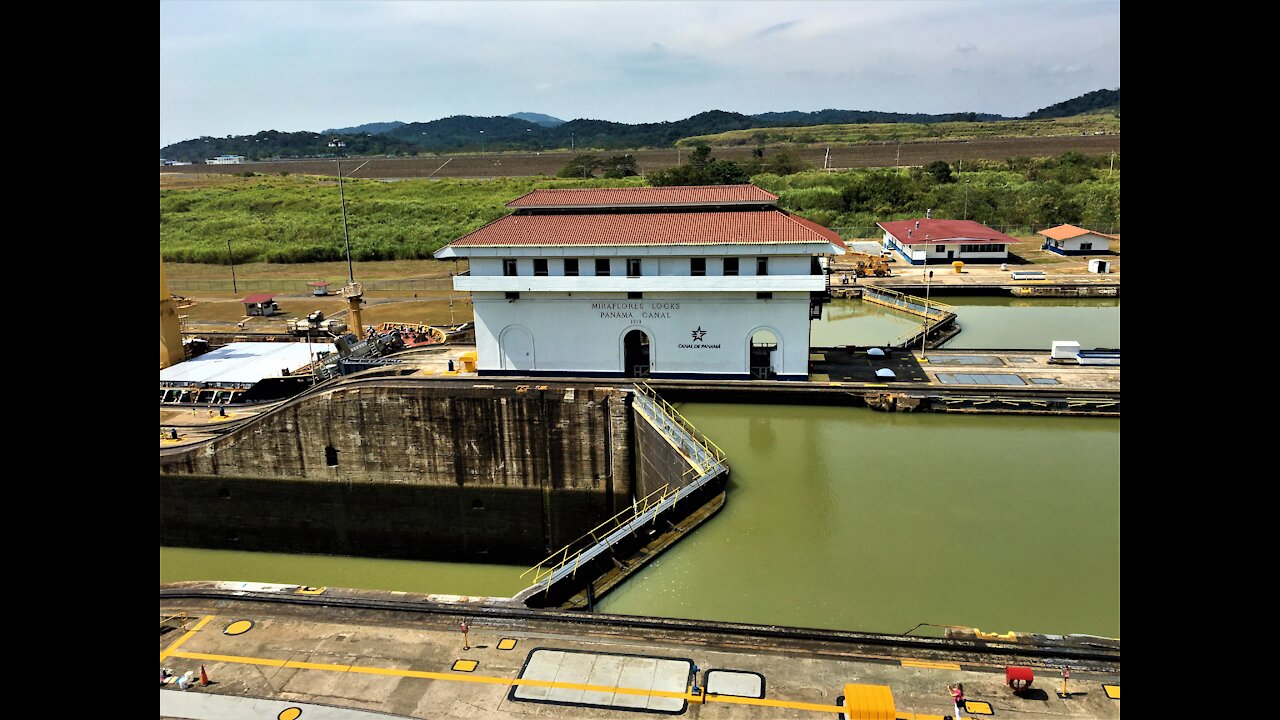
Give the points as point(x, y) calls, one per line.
point(204, 677)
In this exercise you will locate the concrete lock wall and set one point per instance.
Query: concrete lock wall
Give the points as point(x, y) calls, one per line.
point(694, 337)
point(448, 473)
point(658, 462)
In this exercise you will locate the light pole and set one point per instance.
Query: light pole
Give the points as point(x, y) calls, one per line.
point(232, 262)
point(346, 237)
point(481, 142)
point(928, 275)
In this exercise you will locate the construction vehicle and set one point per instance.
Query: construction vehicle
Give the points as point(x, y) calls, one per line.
point(315, 324)
point(865, 265)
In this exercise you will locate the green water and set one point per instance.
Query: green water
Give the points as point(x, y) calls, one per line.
point(847, 518)
point(985, 322)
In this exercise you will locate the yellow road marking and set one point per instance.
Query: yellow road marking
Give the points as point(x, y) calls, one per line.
point(178, 643)
point(239, 627)
point(506, 644)
point(466, 665)
point(930, 664)
point(978, 707)
point(489, 680)
point(1113, 691)
point(292, 713)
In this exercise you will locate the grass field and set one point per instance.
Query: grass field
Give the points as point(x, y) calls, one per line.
point(861, 134)
point(492, 165)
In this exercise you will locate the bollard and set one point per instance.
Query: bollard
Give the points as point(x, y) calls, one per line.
point(465, 644)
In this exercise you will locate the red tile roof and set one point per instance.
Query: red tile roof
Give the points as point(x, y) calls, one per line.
point(645, 196)
point(1066, 232)
point(259, 298)
point(683, 228)
point(944, 232)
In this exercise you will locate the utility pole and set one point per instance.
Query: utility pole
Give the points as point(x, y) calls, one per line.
point(897, 162)
point(232, 261)
point(1113, 164)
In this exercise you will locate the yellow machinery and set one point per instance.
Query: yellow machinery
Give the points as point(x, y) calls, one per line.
point(170, 335)
point(870, 265)
point(353, 292)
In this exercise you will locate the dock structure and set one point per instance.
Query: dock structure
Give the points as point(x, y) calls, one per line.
point(276, 647)
point(695, 471)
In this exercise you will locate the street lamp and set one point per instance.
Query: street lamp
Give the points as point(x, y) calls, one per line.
point(923, 337)
point(481, 142)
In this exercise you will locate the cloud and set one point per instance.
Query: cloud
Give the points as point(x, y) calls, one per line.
point(775, 29)
point(967, 48)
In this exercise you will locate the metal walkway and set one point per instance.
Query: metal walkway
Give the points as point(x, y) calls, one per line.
point(706, 462)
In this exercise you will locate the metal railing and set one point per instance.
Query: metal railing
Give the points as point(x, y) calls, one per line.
point(912, 304)
point(706, 461)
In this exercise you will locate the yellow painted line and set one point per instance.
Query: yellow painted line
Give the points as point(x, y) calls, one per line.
point(178, 643)
point(930, 664)
point(978, 707)
point(489, 680)
point(764, 702)
point(1113, 691)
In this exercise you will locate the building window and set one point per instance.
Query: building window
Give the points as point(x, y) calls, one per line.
point(331, 456)
point(509, 268)
point(633, 267)
point(762, 266)
point(698, 266)
point(1086, 246)
point(602, 267)
point(513, 296)
point(939, 248)
point(571, 267)
point(635, 296)
point(731, 266)
point(540, 267)
point(993, 247)
point(764, 296)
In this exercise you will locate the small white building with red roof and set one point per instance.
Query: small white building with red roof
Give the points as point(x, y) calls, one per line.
point(712, 282)
point(1072, 240)
point(929, 240)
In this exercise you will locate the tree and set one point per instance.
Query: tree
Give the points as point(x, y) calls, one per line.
point(940, 171)
point(582, 166)
point(620, 166)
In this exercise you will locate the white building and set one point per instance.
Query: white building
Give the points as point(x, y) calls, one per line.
point(1072, 240)
point(226, 160)
point(928, 240)
point(708, 282)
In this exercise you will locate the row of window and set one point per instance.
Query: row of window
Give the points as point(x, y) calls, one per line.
point(977, 248)
point(697, 267)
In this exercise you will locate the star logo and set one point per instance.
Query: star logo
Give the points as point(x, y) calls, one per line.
point(699, 334)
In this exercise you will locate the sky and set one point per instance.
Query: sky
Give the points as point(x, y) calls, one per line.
point(234, 68)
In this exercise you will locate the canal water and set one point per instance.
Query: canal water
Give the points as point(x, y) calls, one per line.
point(853, 519)
point(985, 322)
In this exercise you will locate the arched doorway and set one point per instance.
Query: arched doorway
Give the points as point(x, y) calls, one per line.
point(516, 347)
point(636, 358)
point(764, 344)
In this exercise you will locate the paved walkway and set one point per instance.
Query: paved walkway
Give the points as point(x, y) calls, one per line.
point(197, 704)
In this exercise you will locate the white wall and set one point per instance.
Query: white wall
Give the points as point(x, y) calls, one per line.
point(1100, 243)
point(576, 334)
